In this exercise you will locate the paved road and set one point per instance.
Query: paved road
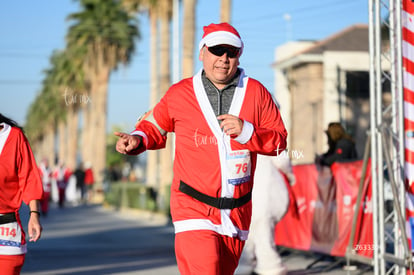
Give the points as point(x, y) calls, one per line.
point(92, 240)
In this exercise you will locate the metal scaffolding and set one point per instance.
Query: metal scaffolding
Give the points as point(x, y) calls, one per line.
point(391, 252)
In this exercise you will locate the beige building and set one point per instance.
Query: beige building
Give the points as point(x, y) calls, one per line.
point(318, 82)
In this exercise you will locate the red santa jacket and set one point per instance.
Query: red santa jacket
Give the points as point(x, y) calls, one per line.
point(19, 176)
point(204, 156)
point(19, 182)
point(89, 179)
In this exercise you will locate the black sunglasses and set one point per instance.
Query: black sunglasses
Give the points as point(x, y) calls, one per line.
point(231, 52)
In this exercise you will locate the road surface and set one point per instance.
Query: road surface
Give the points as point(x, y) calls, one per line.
point(94, 240)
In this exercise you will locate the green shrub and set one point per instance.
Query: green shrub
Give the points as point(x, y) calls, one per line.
point(132, 195)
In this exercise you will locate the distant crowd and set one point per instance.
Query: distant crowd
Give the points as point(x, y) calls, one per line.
point(61, 185)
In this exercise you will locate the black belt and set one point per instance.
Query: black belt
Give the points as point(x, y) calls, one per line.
point(8, 218)
point(220, 203)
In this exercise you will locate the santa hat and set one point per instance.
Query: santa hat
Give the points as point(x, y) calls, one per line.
point(218, 34)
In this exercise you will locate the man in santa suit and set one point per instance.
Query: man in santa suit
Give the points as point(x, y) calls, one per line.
point(62, 175)
point(221, 119)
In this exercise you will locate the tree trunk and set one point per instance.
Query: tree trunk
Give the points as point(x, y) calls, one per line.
point(48, 145)
point(72, 120)
point(188, 37)
point(166, 172)
point(98, 118)
point(35, 144)
point(86, 133)
point(62, 141)
point(153, 155)
point(225, 11)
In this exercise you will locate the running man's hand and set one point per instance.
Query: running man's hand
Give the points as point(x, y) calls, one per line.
point(34, 227)
point(127, 143)
point(231, 125)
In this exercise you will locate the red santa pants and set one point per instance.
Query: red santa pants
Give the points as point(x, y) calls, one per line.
point(44, 203)
point(11, 264)
point(205, 252)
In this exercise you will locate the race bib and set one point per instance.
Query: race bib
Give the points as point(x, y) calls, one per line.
point(10, 234)
point(238, 167)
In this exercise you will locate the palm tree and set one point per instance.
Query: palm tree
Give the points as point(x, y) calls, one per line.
point(159, 164)
point(42, 118)
point(71, 84)
point(133, 6)
point(161, 10)
point(54, 74)
point(106, 33)
point(54, 113)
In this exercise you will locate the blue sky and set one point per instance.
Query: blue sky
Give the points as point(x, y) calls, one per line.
point(31, 30)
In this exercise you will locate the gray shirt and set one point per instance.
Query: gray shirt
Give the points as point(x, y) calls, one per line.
point(220, 100)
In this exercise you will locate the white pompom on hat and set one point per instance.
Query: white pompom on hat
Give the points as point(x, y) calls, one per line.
point(220, 34)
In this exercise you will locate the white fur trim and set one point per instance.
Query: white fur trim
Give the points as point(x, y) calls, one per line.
point(246, 133)
point(220, 38)
point(142, 134)
point(204, 224)
point(11, 250)
point(223, 142)
point(4, 134)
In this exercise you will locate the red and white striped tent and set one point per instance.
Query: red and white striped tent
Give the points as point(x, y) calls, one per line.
point(408, 83)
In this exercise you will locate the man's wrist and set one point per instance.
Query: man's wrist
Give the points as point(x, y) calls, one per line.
point(246, 133)
point(140, 145)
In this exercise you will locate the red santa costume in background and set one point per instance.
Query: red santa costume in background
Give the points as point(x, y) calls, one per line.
point(89, 180)
point(46, 176)
point(211, 166)
point(19, 182)
point(62, 175)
